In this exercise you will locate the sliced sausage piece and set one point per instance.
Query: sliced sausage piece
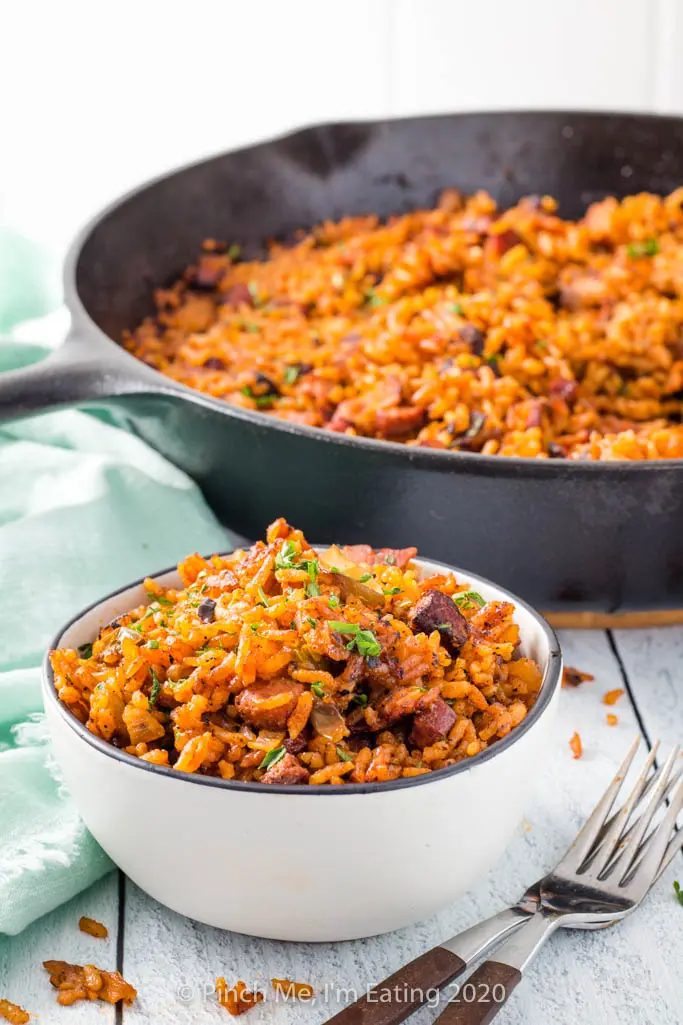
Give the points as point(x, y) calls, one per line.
point(432, 724)
point(238, 295)
point(298, 744)
point(394, 422)
point(436, 611)
point(287, 770)
point(268, 706)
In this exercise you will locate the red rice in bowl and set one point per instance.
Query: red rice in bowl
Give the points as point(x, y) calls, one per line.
point(283, 665)
point(515, 333)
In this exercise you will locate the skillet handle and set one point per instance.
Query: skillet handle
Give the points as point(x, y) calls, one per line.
point(78, 371)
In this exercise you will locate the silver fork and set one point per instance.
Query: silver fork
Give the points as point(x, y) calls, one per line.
point(603, 877)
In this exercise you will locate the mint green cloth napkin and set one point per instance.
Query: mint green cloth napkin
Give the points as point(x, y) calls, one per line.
point(84, 508)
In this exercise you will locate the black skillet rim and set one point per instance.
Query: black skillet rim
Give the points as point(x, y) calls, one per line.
point(435, 459)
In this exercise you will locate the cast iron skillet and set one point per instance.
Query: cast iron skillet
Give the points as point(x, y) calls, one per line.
point(565, 535)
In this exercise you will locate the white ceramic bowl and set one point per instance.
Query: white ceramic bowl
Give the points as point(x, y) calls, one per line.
point(304, 863)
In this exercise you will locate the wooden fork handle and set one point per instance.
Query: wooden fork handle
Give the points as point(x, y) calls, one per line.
point(480, 998)
point(394, 999)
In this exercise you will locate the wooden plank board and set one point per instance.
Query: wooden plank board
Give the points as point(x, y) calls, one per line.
point(23, 979)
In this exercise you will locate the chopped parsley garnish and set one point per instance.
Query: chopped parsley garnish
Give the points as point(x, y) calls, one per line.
point(457, 309)
point(364, 640)
point(343, 756)
point(679, 891)
point(313, 622)
point(333, 601)
point(262, 401)
point(468, 599)
point(155, 691)
point(334, 569)
point(390, 560)
point(160, 598)
point(649, 247)
point(262, 597)
point(85, 651)
point(318, 690)
point(391, 590)
point(253, 292)
point(272, 757)
point(291, 374)
point(254, 627)
point(311, 567)
point(234, 251)
point(361, 699)
point(365, 578)
point(247, 325)
point(373, 300)
point(285, 557)
point(442, 626)
point(153, 644)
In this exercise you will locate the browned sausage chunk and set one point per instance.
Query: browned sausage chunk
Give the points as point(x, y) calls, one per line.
point(432, 724)
point(287, 770)
point(436, 611)
point(274, 716)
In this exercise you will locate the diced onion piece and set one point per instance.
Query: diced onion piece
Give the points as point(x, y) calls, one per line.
point(328, 722)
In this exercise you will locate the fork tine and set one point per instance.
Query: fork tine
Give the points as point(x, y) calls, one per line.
point(647, 868)
point(585, 840)
point(616, 830)
point(627, 838)
point(635, 840)
point(671, 851)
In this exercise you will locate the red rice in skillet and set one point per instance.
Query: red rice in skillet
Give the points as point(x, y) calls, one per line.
point(279, 665)
point(516, 333)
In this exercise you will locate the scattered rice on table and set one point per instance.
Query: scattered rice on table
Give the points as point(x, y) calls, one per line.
point(13, 1013)
point(288, 990)
point(574, 677)
point(514, 333)
point(238, 998)
point(280, 665)
point(576, 746)
point(612, 696)
point(76, 982)
point(612, 720)
point(93, 928)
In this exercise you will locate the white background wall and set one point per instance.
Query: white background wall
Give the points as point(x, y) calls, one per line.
point(95, 96)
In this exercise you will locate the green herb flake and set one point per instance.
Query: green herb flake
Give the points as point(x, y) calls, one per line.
point(343, 628)
point(361, 699)
point(311, 567)
point(155, 691)
point(85, 651)
point(373, 300)
point(318, 690)
point(365, 578)
point(263, 598)
point(261, 401)
point(390, 560)
point(391, 590)
point(234, 251)
point(285, 557)
point(254, 293)
point(343, 756)
point(273, 757)
point(290, 375)
point(469, 599)
point(160, 599)
point(254, 627)
point(153, 644)
point(679, 891)
point(334, 601)
point(457, 309)
point(649, 247)
point(313, 622)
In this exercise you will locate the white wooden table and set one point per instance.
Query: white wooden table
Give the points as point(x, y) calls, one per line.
point(632, 975)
